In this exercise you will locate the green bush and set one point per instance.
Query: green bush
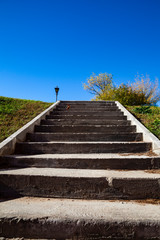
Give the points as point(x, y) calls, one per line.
point(143, 91)
point(124, 94)
point(155, 125)
point(143, 109)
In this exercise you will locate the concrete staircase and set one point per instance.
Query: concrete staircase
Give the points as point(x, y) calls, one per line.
point(85, 173)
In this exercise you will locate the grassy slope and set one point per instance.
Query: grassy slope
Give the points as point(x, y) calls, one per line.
point(15, 113)
point(150, 117)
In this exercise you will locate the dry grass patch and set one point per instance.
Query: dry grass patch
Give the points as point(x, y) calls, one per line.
point(15, 113)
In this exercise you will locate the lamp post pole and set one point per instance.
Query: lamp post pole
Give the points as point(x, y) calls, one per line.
point(56, 90)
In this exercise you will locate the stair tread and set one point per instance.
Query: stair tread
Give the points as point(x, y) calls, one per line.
point(80, 115)
point(82, 173)
point(61, 171)
point(86, 133)
point(94, 120)
point(86, 156)
point(85, 122)
point(87, 142)
point(95, 125)
point(73, 209)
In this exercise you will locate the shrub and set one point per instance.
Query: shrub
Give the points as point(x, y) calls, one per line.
point(143, 91)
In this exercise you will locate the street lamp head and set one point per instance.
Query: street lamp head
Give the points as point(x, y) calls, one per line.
point(57, 89)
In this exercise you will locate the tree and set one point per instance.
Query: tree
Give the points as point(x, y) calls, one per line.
point(149, 88)
point(99, 84)
point(142, 91)
point(128, 96)
point(124, 94)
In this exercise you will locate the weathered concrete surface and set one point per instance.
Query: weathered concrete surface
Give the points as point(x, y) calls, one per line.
point(79, 116)
point(90, 113)
point(87, 105)
point(89, 102)
point(82, 161)
point(85, 122)
point(89, 109)
point(82, 147)
point(87, 128)
point(64, 218)
point(93, 136)
point(78, 183)
point(108, 174)
point(57, 173)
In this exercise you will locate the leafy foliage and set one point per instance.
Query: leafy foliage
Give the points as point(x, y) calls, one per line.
point(149, 88)
point(155, 127)
point(142, 92)
point(143, 109)
point(124, 94)
point(97, 85)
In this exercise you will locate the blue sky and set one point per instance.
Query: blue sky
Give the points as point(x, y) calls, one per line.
point(45, 43)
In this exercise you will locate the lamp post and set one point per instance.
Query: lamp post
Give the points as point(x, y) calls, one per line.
point(56, 90)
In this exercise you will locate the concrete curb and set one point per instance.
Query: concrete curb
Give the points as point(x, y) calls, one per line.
point(147, 135)
point(8, 145)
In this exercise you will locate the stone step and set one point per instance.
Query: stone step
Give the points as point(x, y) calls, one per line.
point(85, 122)
point(88, 113)
point(72, 105)
point(79, 183)
point(83, 128)
point(86, 109)
point(46, 137)
point(81, 147)
point(66, 219)
point(87, 102)
point(82, 161)
point(86, 117)
point(89, 151)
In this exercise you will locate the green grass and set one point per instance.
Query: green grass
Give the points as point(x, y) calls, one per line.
point(149, 116)
point(15, 113)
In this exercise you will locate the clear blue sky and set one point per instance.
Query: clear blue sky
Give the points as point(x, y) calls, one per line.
point(45, 43)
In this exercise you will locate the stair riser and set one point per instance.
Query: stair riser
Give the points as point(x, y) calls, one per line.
point(87, 102)
point(83, 222)
point(78, 230)
point(84, 109)
point(78, 187)
point(84, 137)
point(81, 163)
point(85, 122)
point(40, 148)
point(82, 106)
point(86, 117)
point(87, 129)
point(88, 113)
